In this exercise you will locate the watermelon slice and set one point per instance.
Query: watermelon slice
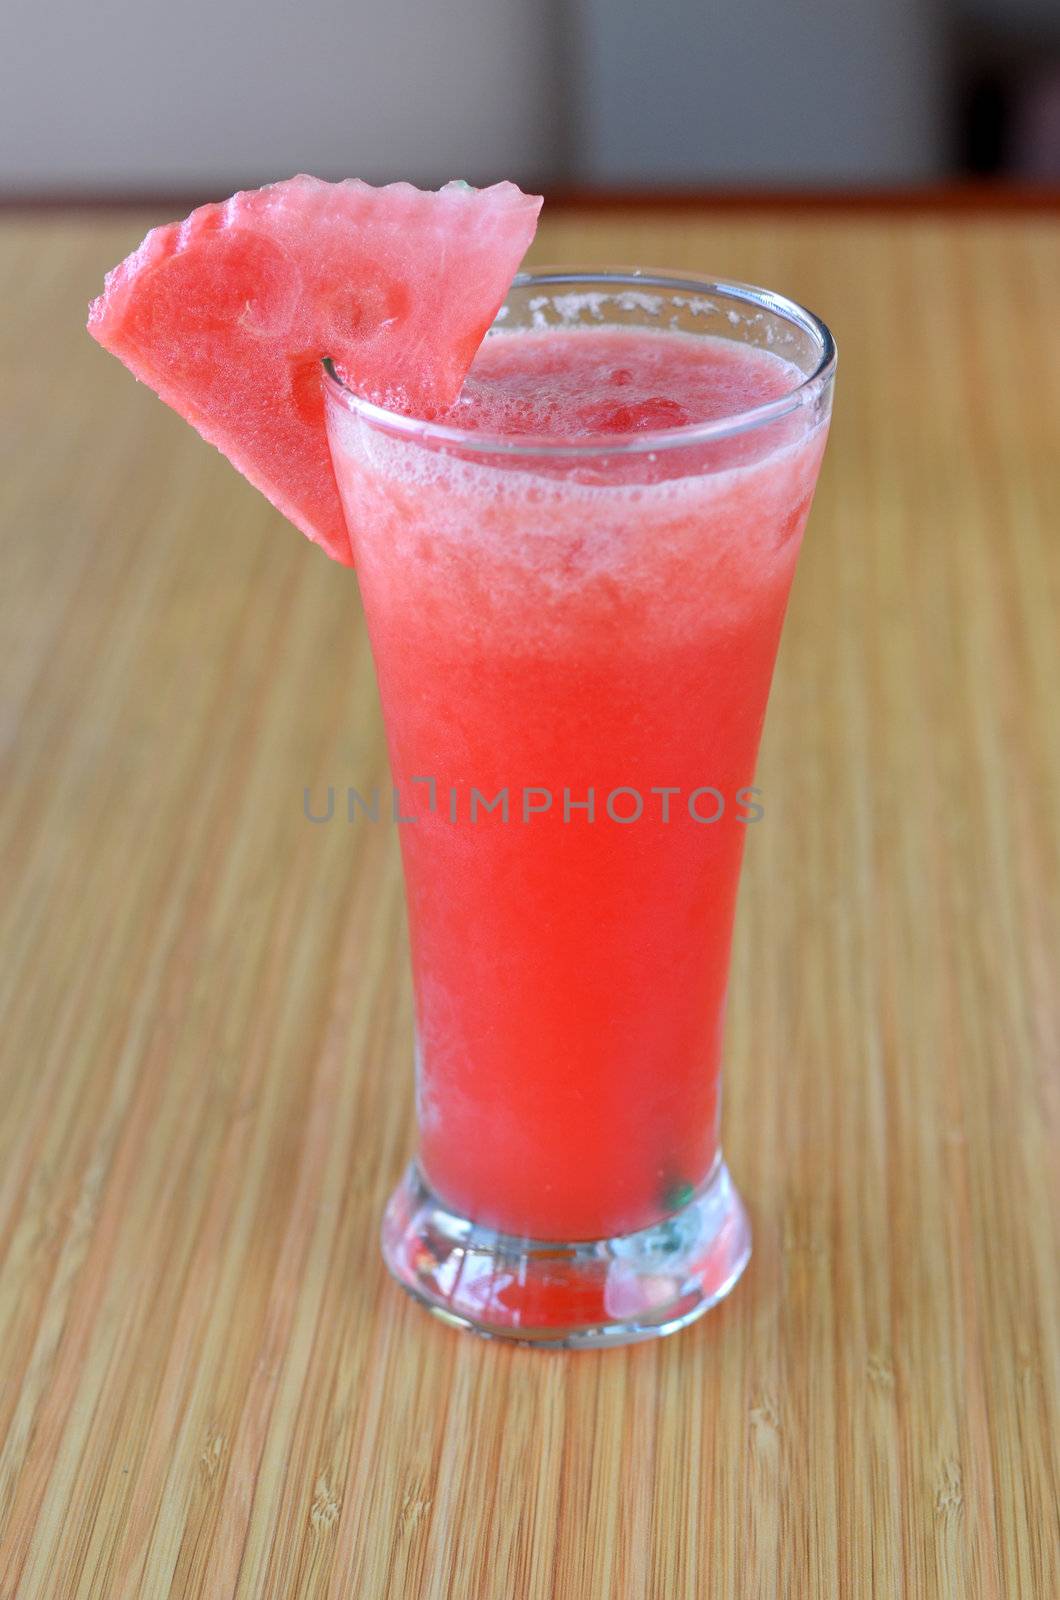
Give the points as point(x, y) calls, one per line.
point(228, 314)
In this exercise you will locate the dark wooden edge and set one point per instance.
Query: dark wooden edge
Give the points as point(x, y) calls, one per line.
point(948, 197)
point(934, 197)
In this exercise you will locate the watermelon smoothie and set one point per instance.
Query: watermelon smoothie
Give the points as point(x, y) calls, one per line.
point(574, 581)
point(575, 542)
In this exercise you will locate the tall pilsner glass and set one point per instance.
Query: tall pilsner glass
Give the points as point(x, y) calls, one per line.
point(574, 644)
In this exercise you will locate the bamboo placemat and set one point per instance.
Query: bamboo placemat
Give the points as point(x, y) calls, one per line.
point(209, 1388)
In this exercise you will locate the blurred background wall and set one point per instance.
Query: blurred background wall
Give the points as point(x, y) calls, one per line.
point(181, 93)
point(123, 96)
point(764, 90)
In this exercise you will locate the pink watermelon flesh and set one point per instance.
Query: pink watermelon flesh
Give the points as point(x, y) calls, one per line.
point(228, 314)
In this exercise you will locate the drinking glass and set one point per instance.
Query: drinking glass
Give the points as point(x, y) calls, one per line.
point(574, 641)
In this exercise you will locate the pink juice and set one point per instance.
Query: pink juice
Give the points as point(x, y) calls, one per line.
point(593, 637)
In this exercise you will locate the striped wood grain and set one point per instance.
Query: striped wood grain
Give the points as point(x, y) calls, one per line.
point(207, 1385)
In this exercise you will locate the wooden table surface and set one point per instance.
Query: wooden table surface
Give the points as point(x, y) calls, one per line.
point(209, 1386)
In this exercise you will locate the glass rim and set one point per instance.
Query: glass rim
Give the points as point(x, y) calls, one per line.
point(688, 433)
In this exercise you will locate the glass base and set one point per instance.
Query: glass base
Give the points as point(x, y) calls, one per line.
point(590, 1293)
